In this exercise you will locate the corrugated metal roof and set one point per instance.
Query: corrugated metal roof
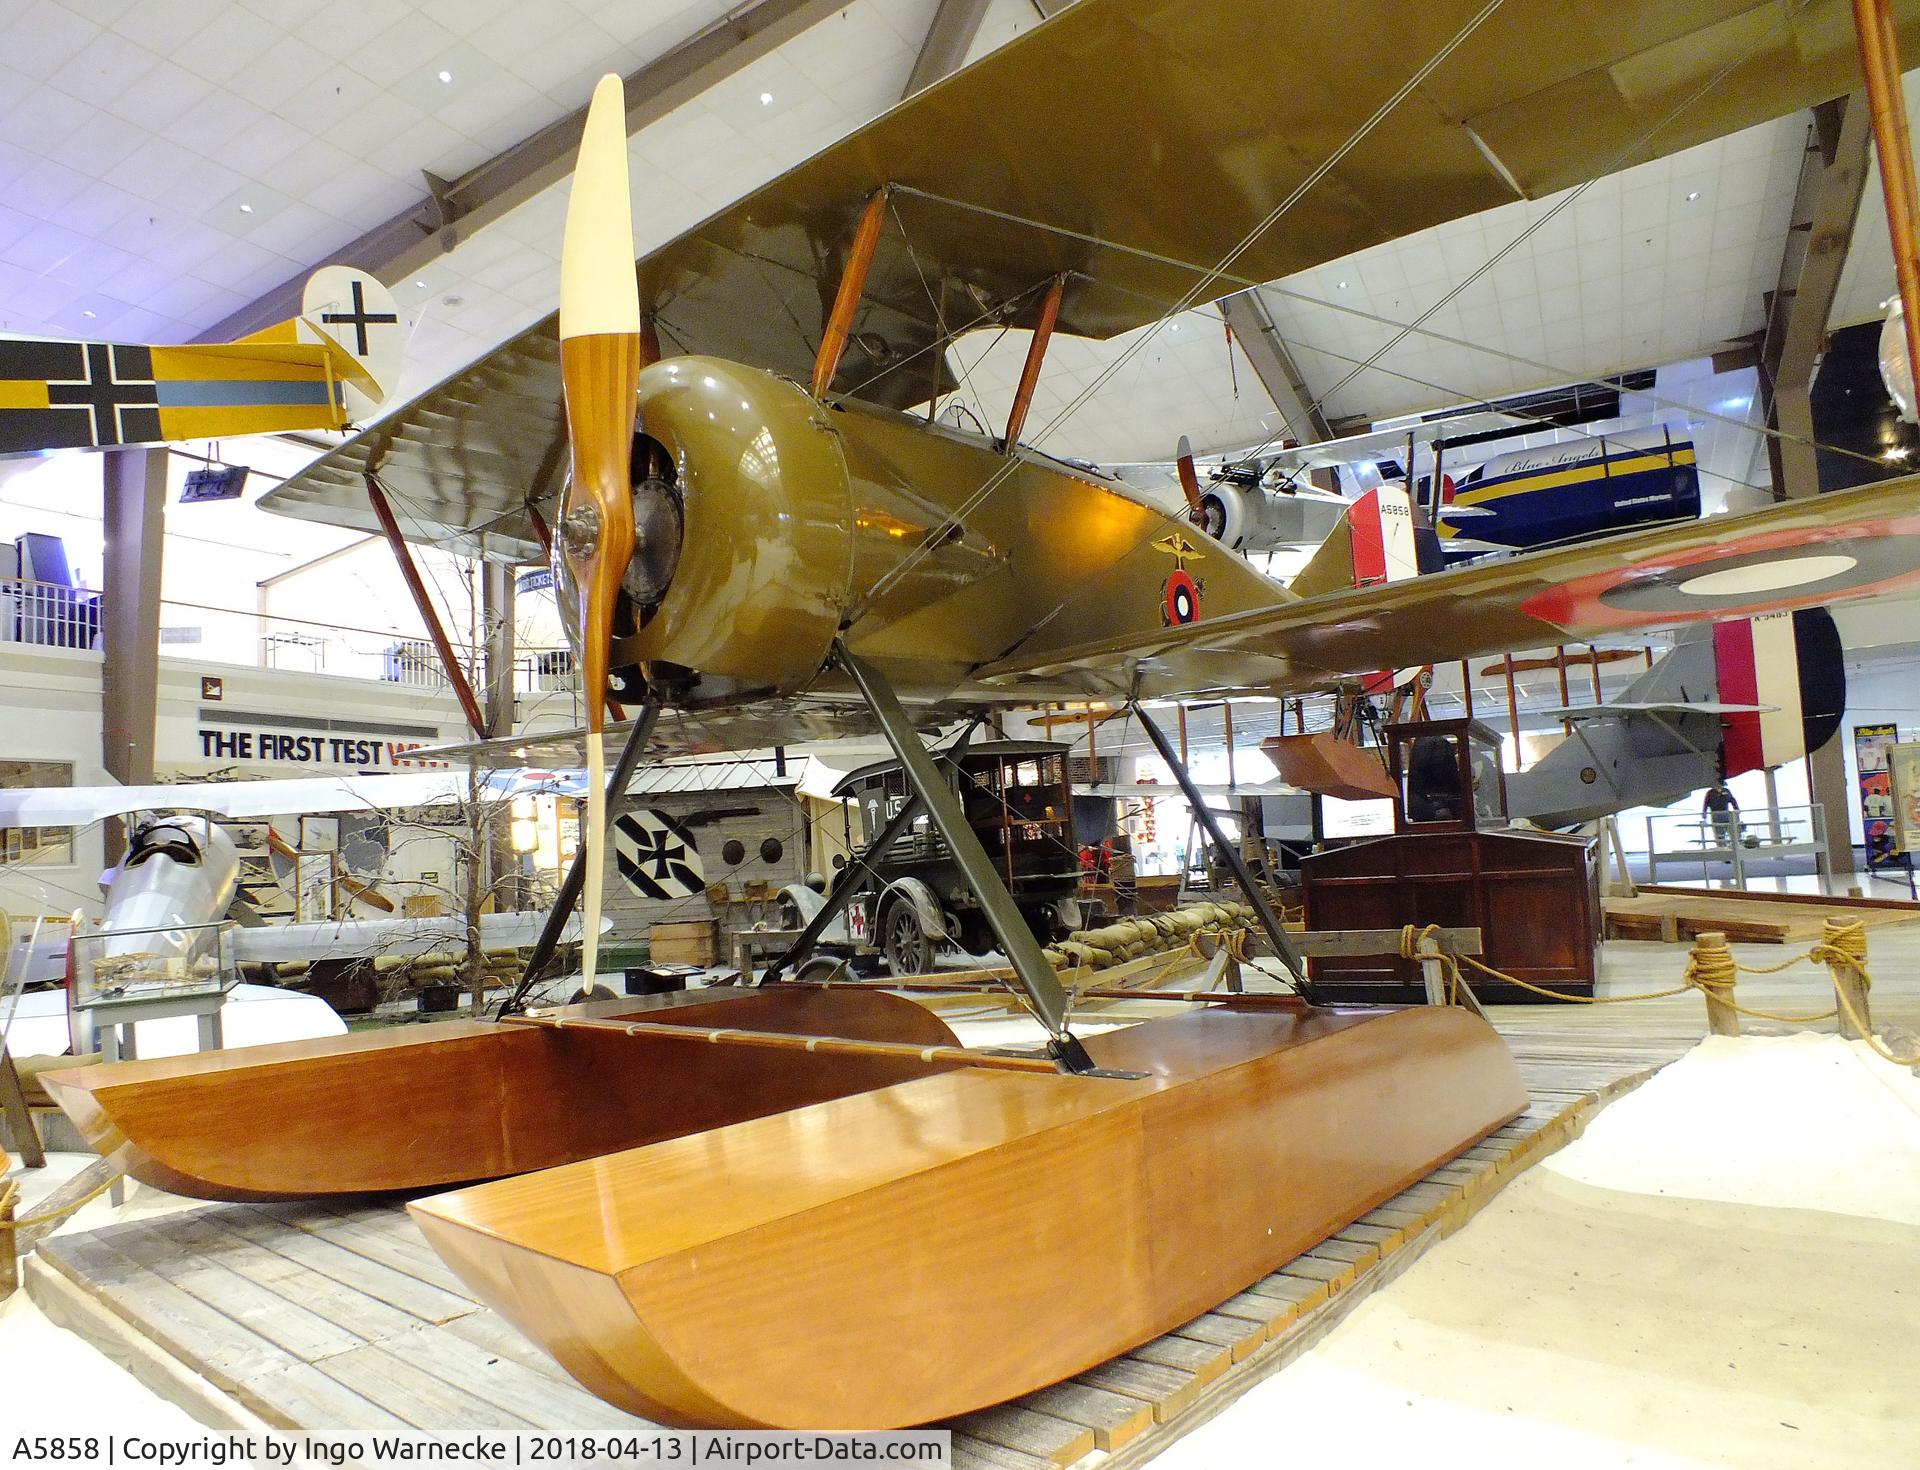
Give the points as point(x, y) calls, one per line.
point(696, 776)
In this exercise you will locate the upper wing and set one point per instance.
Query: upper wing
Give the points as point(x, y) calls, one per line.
point(1113, 144)
point(81, 806)
point(1803, 553)
point(1656, 707)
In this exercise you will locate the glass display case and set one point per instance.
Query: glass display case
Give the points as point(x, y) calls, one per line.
point(191, 964)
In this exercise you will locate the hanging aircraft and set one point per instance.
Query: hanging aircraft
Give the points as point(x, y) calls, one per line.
point(332, 365)
point(1581, 486)
point(752, 527)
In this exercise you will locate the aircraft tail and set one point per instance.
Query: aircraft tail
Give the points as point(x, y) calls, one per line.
point(1791, 668)
point(335, 363)
point(1375, 541)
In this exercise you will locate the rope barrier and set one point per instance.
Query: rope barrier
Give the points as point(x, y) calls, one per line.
point(1412, 934)
point(51, 1216)
point(1712, 970)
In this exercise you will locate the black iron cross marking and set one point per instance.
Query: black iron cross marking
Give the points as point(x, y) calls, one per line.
point(359, 319)
point(102, 393)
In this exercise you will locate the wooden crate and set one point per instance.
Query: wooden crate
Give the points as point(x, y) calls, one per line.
point(685, 942)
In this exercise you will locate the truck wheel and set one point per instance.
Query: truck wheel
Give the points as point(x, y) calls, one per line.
point(905, 943)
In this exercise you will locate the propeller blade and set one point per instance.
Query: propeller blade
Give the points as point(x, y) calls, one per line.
point(599, 372)
point(1189, 481)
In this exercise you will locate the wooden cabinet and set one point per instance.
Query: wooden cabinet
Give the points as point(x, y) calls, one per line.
point(1533, 895)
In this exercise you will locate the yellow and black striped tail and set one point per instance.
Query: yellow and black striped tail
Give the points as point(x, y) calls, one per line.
point(332, 364)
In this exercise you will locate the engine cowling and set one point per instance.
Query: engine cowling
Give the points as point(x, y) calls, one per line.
point(760, 582)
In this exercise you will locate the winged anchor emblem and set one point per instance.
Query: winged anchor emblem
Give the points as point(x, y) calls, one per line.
point(656, 856)
point(1180, 592)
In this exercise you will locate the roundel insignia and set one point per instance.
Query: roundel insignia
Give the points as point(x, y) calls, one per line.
point(1181, 598)
point(656, 856)
point(1767, 571)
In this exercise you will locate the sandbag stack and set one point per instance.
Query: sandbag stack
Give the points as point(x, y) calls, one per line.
point(444, 967)
point(1196, 926)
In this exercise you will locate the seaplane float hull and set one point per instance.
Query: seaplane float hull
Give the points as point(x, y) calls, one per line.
point(902, 1254)
point(451, 1102)
point(845, 1222)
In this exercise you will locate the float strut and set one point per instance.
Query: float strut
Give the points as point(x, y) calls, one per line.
point(1031, 970)
point(570, 886)
point(841, 894)
point(1228, 854)
point(842, 891)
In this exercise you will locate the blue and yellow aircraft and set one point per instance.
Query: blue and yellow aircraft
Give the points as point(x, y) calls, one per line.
point(330, 366)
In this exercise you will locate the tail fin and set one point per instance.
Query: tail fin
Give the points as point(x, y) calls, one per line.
point(1373, 542)
point(355, 318)
point(1791, 667)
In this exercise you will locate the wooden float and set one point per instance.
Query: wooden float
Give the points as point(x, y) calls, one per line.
point(427, 1106)
point(894, 1255)
point(1325, 764)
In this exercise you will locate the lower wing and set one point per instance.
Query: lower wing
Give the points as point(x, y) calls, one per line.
point(1802, 553)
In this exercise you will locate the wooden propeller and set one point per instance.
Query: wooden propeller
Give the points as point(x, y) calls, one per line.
point(1190, 482)
point(599, 370)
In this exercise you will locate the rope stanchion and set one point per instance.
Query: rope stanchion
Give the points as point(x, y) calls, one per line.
point(1843, 950)
point(1712, 970)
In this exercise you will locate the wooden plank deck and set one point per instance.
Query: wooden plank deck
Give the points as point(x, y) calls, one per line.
point(339, 1316)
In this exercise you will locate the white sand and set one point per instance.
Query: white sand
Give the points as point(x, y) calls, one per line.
point(1725, 1270)
point(1805, 1122)
point(75, 1389)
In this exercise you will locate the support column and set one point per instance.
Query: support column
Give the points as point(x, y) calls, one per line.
point(134, 485)
point(1828, 785)
point(496, 615)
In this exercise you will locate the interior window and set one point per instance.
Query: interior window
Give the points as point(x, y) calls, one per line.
point(48, 846)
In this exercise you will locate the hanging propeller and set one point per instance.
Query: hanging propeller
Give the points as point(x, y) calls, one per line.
point(1190, 482)
point(600, 337)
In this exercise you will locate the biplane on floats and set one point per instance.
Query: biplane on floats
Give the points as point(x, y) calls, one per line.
point(753, 528)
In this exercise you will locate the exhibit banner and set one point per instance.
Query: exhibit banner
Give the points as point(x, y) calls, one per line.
point(1872, 745)
point(1903, 765)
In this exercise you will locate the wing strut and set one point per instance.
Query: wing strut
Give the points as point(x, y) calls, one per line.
point(853, 282)
point(570, 886)
point(410, 574)
point(843, 890)
point(1045, 993)
point(1228, 854)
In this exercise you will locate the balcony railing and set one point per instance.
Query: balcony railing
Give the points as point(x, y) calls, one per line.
point(45, 615)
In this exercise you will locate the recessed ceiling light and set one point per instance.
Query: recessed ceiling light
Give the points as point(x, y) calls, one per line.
point(1173, 326)
point(766, 99)
point(446, 76)
point(1343, 285)
point(85, 312)
point(246, 209)
point(1693, 196)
